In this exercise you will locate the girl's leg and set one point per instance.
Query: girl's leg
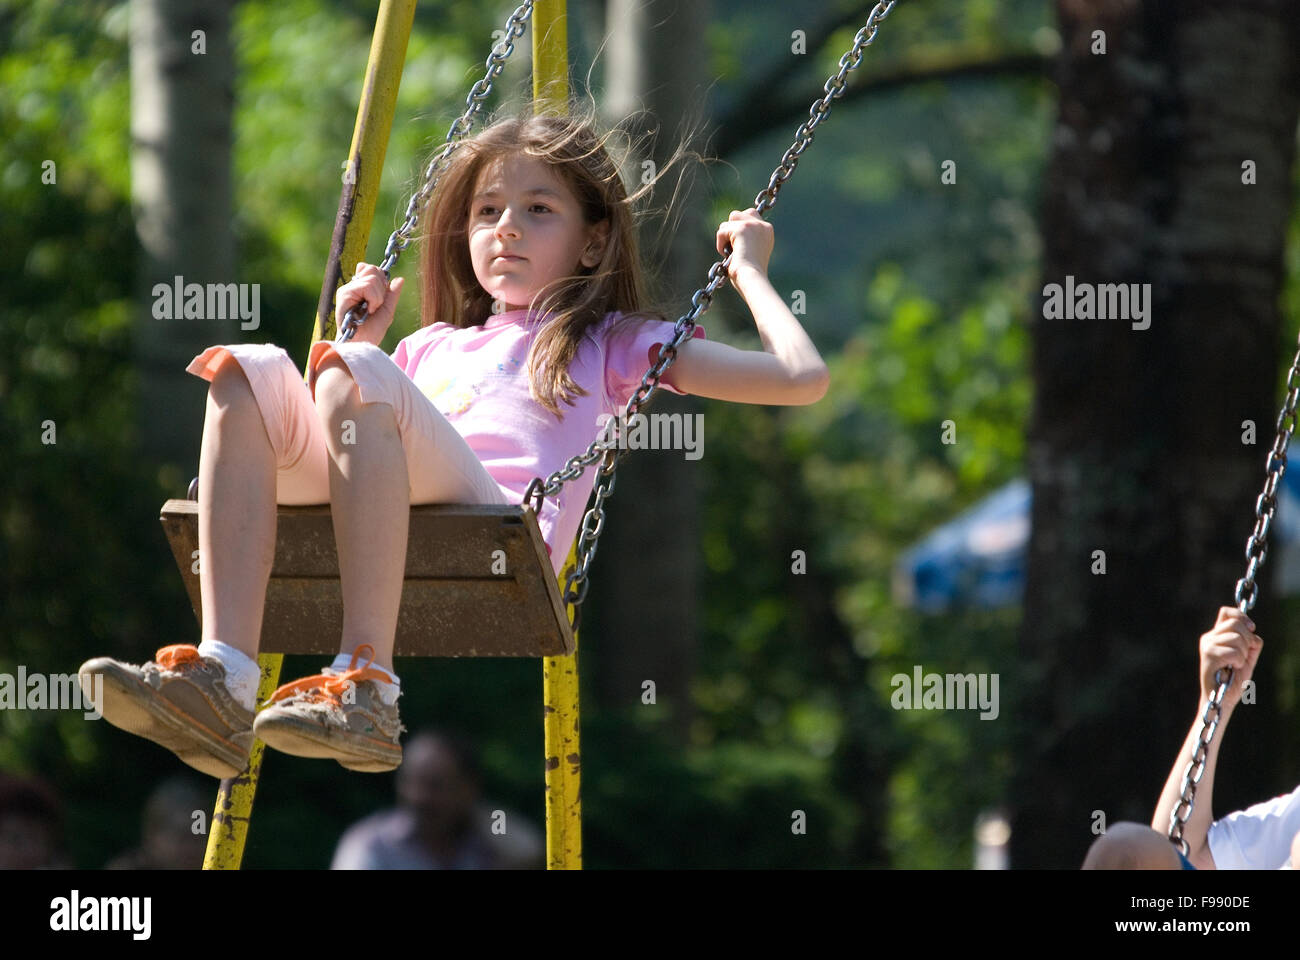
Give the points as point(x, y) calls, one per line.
point(204, 717)
point(382, 446)
point(370, 496)
point(237, 477)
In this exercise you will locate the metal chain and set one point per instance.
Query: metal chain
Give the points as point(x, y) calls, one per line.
point(1246, 593)
point(401, 237)
point(610, 448)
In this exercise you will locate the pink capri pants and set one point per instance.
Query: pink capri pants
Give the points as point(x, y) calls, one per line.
point(440, 465)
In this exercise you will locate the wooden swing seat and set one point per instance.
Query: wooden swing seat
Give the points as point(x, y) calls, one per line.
point(453, 604)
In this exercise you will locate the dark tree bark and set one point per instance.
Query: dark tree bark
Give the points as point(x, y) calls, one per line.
point(181, 109)
point(1136, 442)
point(643, 581)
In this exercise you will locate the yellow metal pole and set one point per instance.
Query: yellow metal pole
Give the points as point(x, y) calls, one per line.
point(559, 674)
point(365, 163)
point(563, 752)
point(550, 57)
point(234, 809)
point(361, 178)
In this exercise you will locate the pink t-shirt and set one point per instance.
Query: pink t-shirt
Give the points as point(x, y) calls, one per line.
point(476, 377)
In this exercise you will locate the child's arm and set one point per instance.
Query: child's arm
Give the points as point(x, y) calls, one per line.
point(1231, 643)
point(788, 370)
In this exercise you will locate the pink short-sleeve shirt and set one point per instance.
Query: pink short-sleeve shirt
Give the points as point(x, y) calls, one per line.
point(477, 379)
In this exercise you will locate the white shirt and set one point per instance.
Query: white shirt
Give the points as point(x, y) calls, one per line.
point(1259, 837)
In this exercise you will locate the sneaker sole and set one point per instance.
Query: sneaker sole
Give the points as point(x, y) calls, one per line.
point(133, 706)
point(302, 738)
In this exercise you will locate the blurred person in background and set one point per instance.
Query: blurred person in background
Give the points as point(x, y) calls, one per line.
point(31, 825)
point(170, 838)
point(440, 822)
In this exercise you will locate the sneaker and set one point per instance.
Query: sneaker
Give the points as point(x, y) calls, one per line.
point(337, 714)
point(179, 701)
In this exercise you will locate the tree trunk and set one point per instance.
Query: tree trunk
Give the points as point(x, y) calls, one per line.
point(181, 105)
point(1136, 440)
point(644, 578)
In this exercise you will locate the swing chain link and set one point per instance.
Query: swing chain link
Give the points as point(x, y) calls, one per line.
point(1246, 594)
point(400, 239)
point(611, 447)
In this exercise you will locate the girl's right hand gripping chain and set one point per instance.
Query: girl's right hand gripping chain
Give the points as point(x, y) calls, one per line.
point(370, 285)
point(749, 238)
point(1231, 643)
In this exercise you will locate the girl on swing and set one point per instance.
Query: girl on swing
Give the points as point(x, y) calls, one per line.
point(531, 298)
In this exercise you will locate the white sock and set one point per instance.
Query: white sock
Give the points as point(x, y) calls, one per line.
point(242, 671)
point(388, 692)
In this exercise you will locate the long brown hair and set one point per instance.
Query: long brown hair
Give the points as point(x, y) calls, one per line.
point(577, 152)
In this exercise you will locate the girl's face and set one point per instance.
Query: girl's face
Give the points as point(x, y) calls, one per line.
point(526, 229)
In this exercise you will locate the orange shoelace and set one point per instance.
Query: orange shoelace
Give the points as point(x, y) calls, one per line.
point(172, 657)
point(325, 687)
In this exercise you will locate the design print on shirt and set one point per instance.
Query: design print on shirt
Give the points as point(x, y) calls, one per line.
point(510, 366)
point(450, 394)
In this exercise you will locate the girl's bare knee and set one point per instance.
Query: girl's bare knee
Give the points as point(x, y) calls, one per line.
point(334, 383)
point(230, 381)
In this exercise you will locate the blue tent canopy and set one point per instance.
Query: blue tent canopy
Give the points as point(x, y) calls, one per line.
point(977, 559)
